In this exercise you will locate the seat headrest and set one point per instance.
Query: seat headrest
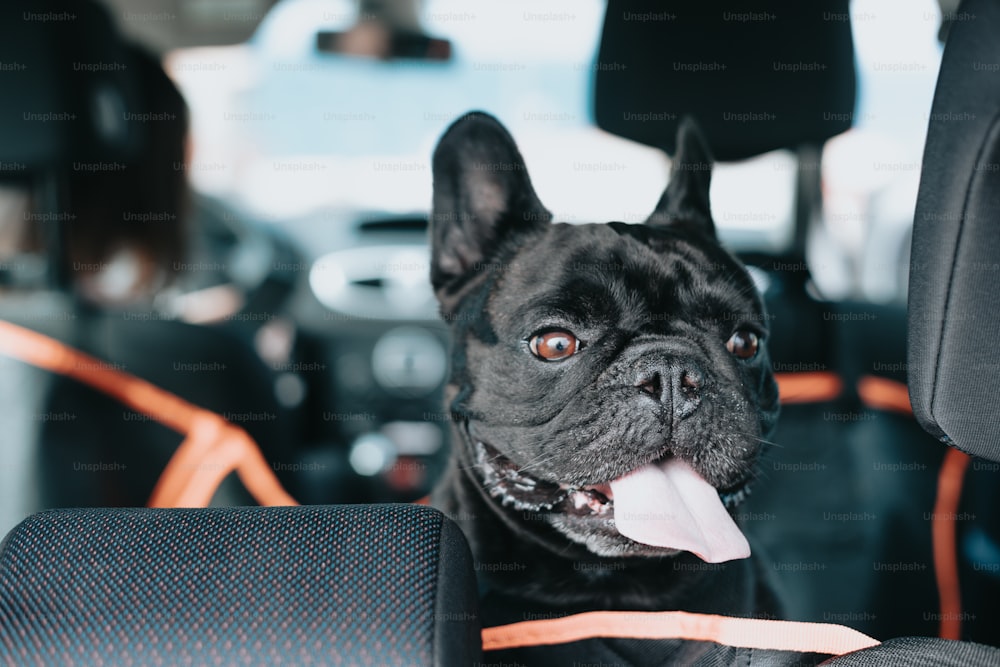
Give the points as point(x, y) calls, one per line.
point(755, 79)
point(68, 87)
point(954, 292)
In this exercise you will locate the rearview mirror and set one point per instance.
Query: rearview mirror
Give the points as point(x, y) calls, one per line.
point(370, 39)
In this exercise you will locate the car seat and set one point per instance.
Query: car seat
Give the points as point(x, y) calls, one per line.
point(955, 298)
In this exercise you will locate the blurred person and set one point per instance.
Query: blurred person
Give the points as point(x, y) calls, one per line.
point(130, 230)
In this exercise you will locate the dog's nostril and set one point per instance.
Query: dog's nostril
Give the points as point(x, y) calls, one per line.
point(687, 392)
point(652, 385)
point(690, 383)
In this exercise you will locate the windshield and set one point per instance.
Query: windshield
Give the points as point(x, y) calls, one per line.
point(314, 141)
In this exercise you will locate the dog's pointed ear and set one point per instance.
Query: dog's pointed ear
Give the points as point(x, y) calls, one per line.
point(483, 198)
point(686, 201)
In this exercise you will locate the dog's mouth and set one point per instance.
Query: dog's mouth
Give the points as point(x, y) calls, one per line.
point(663, 504)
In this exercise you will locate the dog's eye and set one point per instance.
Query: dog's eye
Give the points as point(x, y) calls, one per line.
point(743, 344)
point(554, 345)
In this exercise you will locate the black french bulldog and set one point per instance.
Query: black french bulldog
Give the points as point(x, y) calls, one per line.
point(610, 390)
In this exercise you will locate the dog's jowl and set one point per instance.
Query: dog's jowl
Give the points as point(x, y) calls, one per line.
point(610, 390)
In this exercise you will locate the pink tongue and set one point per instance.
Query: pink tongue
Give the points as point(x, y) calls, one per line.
point(669, 505)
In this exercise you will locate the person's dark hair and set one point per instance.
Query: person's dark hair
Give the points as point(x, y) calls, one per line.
point(140, 205)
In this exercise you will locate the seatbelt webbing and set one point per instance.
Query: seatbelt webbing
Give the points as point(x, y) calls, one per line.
point(743, 632)
point(212, 447)
point(808, 387)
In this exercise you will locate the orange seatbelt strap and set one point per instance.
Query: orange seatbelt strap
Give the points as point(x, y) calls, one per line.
point(743, 632)
point(212, 447)
point(944, 535)
point(812, 387)
point(885, 394)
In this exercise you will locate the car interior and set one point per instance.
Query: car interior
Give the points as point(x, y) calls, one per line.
point(223, 365)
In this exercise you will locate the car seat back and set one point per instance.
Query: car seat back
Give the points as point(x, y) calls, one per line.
point(955, 261)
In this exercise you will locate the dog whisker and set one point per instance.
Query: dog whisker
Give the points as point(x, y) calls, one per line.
point(757, 438)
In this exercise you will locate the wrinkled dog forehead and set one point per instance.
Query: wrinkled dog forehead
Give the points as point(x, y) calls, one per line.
point(606, 274)
point(574, 273)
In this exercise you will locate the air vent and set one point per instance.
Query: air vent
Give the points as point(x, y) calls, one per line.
point(385, 282)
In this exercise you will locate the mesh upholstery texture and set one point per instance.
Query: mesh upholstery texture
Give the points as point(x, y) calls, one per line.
point(320, 585)
point(921, 652)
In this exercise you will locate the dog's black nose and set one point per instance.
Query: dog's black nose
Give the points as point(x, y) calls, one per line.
point(675, 386)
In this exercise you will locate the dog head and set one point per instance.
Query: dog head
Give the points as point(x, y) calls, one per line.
point(612, 378)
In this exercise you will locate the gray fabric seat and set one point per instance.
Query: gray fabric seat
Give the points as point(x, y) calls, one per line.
point(954, 312)
point(322, 585)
